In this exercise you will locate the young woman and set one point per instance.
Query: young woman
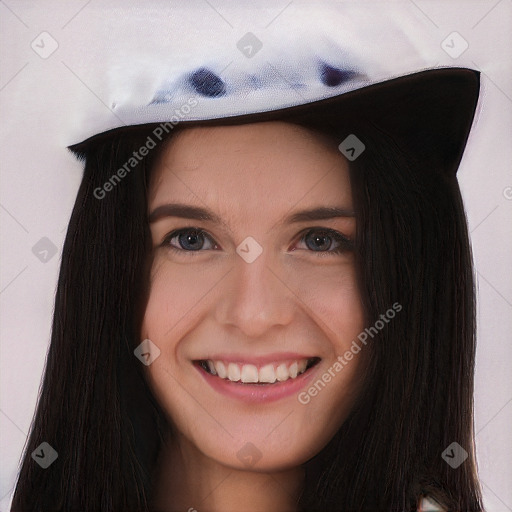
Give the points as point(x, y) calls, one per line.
point(272, 311)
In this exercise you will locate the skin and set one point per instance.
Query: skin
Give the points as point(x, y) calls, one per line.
point(290, 299)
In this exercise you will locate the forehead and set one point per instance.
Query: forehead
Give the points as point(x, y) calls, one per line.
point(254, 167)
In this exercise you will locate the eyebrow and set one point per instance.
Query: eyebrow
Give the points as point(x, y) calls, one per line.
point(195, 212)
point(319, 213)
point(184, 211)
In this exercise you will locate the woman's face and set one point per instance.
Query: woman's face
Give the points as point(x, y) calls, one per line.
point(253, 280)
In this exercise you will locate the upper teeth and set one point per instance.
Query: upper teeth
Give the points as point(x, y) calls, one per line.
point(250, 373)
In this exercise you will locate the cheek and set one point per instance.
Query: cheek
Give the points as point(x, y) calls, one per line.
point(176, 291)
point(331, 294)
point(331, 297)
point(334, 300)
point(174, 303)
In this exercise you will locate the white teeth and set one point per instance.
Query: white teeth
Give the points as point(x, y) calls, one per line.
point(282, 373)
point(267, 374)
point(211, 367)
point(233, 372)
point(249, 373)
point(294, 370)
point(221, 369)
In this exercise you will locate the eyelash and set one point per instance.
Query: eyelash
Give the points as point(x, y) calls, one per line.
point(344, 243)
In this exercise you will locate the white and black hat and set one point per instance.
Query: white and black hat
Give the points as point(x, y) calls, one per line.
point(328, 71)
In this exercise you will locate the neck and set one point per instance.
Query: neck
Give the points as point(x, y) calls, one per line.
point(188, 480)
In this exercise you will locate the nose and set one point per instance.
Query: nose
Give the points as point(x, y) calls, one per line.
point(255, 298)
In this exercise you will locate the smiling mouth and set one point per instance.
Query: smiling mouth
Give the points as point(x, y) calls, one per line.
point(252, 374)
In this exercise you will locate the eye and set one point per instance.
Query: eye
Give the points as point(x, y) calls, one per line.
point(190, 240)
point(324, 240)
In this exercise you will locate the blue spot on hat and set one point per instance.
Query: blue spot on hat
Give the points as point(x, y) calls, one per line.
point(332, 76)
point(207, 83)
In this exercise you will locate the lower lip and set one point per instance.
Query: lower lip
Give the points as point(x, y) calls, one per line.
point(260, 393)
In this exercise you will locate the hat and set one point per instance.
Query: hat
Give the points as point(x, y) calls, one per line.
point(321, 75)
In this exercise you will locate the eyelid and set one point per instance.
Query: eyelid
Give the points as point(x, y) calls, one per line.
point(345, 243)
point(176, 232)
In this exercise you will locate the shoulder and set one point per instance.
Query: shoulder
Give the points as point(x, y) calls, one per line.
point(429, 505)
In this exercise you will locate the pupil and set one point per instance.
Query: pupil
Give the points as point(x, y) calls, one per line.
point(192, 241)
point(318, 242)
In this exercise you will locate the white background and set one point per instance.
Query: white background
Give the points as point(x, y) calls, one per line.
point(48, 103)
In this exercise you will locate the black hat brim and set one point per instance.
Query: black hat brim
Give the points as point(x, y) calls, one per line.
point(429, 114)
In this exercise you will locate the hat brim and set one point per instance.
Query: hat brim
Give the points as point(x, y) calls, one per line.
point(429, 114)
